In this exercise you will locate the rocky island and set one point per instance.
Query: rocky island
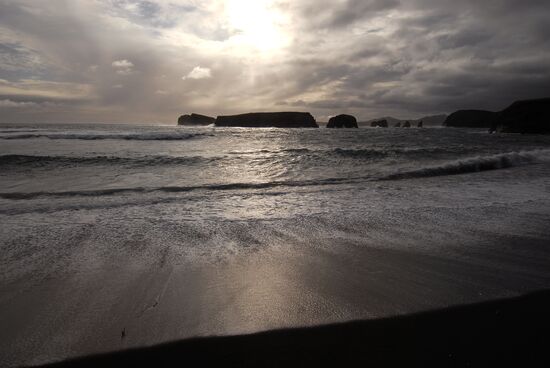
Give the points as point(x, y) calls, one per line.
point(342, 121)
point(527, 116)
point(430, 120)
point(268, 120)
point(196, 119)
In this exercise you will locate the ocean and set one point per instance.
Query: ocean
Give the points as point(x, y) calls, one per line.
point(170, 232)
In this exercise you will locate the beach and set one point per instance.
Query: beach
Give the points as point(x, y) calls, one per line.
point(119, 238)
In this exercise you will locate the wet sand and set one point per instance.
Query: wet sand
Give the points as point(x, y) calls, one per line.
point(505, 332)
point(276, 288)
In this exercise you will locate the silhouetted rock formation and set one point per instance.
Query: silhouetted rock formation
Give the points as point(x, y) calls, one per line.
point(380, 123)
point(420, 124)
point(269, 119)
point(432, 120)
point(529, 116)
point(342, 121)
point(470, 119)
point(374, 122)
point(195, 119)
point(407, 124)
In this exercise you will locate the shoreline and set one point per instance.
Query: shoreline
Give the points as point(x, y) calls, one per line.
point(264, 290)
point(489, 334)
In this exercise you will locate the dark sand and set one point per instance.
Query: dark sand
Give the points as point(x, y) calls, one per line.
point(273, 291)
point(510, 332)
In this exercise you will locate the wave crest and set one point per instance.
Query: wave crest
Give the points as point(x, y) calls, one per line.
point(464, 166)
point(176, 189)
point(473, 165)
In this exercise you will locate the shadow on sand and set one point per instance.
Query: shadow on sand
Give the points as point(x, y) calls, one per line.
point(510, 332)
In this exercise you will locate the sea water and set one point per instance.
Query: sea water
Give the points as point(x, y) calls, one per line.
point(173, 180)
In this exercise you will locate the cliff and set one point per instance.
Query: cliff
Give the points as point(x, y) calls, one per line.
point(196, 119)
point(528, 116)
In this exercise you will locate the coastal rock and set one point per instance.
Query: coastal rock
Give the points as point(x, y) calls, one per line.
point(379, 123)
point(470, 119)
point(374, 122)
point(529, 116)
point(342, 121)
point(420, 124)
point(268, 119)
point(407, 124)
point(196, 119)
point(431, 120)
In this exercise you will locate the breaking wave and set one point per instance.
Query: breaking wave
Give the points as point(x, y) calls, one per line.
point(464, 166)
point(178, 189)
point(473, 165)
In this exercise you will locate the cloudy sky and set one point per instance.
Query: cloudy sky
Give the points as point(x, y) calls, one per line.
point(148, 61)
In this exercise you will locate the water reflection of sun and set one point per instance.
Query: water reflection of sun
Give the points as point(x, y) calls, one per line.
point(258, 22)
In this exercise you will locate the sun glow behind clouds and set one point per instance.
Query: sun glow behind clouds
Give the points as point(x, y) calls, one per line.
point(259, 24)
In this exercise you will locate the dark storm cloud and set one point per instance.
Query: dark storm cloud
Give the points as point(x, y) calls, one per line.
point(351, 11)
point(436, 56)
point(152, 59)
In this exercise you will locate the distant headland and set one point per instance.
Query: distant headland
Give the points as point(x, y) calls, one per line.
point(254, 120)
point(527, 116)
point(196, 119)
point(269, 119)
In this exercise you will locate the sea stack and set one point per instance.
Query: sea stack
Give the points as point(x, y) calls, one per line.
point(268, 120)
point(420, 124)
point(407, 124)
point(529, 116)
point(342, 121)
point(196, 119)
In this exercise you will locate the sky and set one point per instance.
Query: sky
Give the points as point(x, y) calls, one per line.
point(149, 61)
